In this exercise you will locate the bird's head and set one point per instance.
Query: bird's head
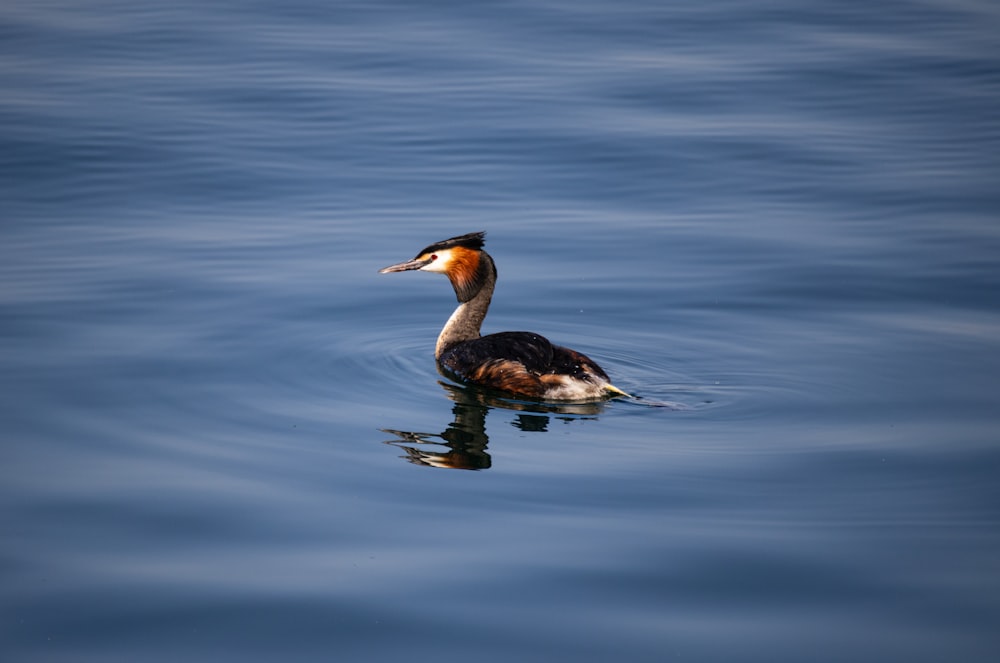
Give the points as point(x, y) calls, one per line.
point(461, 259)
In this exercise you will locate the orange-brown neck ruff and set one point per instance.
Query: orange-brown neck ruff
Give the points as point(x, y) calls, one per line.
point(467, 271)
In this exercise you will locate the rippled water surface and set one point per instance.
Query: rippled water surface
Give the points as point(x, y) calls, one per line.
point(224, 437)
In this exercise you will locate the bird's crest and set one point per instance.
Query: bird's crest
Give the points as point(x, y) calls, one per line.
point(474, 241)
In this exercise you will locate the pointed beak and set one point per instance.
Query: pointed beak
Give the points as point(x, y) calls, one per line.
point(404, 266)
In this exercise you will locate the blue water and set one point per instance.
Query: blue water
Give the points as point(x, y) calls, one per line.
point(223, 435)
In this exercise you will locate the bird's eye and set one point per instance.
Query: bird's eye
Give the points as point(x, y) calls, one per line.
point(434, 256)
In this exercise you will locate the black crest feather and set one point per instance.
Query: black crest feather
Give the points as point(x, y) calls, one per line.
point(468, 241)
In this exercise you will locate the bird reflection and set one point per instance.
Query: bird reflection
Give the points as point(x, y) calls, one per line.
point(462, 445)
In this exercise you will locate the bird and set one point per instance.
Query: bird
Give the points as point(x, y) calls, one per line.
point(521, 363)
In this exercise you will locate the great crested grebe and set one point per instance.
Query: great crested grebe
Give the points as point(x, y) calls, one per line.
point(521, 363)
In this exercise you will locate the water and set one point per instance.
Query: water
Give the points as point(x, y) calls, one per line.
point(223, 434)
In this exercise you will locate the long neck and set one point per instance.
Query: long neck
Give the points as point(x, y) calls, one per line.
point(465, 323)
